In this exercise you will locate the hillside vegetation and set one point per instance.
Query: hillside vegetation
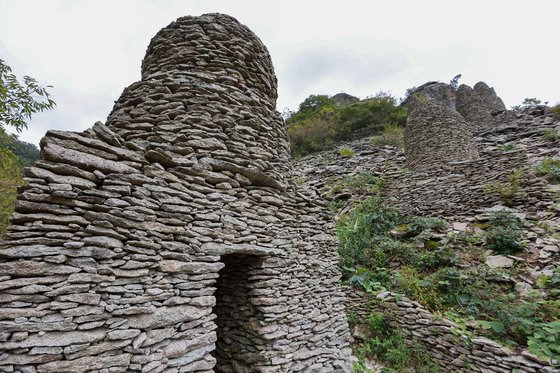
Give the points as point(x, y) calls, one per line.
point(14, 156)
point(320, 123)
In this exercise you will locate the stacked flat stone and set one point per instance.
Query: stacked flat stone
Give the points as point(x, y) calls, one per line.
point(172, 239)
point(435, 134)
point(445, 342)
point(437, 91)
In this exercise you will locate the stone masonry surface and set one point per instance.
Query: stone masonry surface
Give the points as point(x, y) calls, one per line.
point(172, 238)
point(435, 134)
point(447, 345)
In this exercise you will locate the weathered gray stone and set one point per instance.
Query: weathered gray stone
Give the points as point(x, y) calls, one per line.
point(499, 261)
point(435, 134)
point(158, 232)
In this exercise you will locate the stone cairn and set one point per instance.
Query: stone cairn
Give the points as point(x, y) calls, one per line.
point(172, 239)
point(435, 134)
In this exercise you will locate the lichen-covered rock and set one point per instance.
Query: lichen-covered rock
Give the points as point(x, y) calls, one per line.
point(489, 96)
point(473, 107)
point(344, 98)
point(172, 238)
point(443, 93)
point(436, 134)
point(481, 106)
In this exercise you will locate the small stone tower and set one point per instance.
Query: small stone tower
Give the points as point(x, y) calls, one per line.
point(172, 238)
point(435, 134)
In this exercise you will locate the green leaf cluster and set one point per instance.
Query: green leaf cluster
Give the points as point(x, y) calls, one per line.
point(19, 101)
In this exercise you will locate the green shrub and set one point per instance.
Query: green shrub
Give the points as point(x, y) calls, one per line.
point(362, 234)
point(505, 235)
point(387, 344)
point(441, 257)
point(545, 342)
point(336, 205)
point(319, 123)
point(359, 183)
point(507, 147)
point(419, 224)
point(552, 283)
point(550, 168)
point(347, 153)
point(10, 180)
point(510, 190)
point(555, 111)
point(392, 135)
point(550, 135)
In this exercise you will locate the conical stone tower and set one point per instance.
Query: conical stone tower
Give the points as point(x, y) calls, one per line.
point(435, 134)
point(172, 238)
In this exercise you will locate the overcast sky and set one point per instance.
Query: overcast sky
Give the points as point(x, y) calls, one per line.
point(90, 50)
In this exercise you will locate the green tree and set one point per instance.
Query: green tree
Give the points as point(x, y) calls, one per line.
point(19, 101)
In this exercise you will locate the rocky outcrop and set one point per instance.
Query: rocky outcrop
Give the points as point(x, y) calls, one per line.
point(344, 98)
point(481, 106)
point(473, 107)
point(490, 98)
point(435, 134)
point(172, 238)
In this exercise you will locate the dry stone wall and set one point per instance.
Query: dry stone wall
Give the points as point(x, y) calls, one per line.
point(464, 188)
point(449, 347)
point(172, 238)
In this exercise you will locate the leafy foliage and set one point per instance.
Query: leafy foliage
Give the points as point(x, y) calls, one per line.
point(546, 342)
point(454, 83)
point(363, 182)
point(550, 168)
point(19, 101)
point(319, 123)
point(347, 153)
point(387, 344)
point(508, 191)
point(555, 110)
point(550, 135)
point(508, 147)
point(381, 249)
point(505, 235)
point(10, 179)
point(392, 135)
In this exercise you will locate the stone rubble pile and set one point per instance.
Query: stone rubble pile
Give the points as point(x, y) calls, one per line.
point(172, 238)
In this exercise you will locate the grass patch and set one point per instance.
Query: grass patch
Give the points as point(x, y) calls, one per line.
point(387, 344)
point(347, 153)
point(550, 168)
point(508, 191)
point(550, 135)
point(392, 135)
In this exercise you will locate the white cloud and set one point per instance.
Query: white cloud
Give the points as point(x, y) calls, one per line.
point(90, 50)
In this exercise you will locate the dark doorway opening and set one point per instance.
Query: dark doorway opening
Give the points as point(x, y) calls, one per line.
point(239, 346)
